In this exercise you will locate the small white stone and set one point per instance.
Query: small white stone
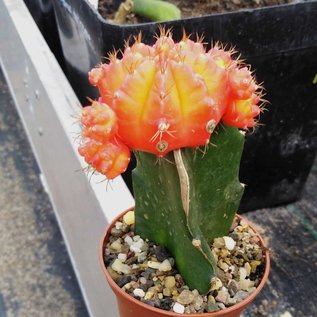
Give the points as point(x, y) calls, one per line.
point(139, 292)
point(139, 244)
point(142, 257)
point(143, 280)
point(129, 218)
point(244, 284)
point(165, 266)
point(286, 314)
point(136, 238)
point(128, 240)
point(122, 257)
point(215, 283)
point(186, 297)
point(135, 249)
point(153, 264)
point(221, 305)
point(247, 266)
point(118, 225)
point(223, 265)
point(119, 267)
point(223, 295)
point(242, 273)
point(179, 308)
point(229, 243)
point(198, 301)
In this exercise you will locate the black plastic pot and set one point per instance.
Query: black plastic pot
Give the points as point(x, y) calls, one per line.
point(281, 45)
point(42, 12)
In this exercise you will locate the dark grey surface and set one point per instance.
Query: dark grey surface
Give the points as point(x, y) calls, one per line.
point(291, 234)
point(36, 276)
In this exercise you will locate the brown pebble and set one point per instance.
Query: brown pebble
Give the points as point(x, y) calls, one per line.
point(131, 260)
point(130, 254)
point(114, 275)
point(125, 249)
point(116, 232)
point(179, 282)
point(233, 287)
point(135, 284)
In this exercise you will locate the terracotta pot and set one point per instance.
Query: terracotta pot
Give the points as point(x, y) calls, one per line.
point(131, 307)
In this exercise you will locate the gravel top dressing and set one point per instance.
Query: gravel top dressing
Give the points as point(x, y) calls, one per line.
point(148, 272)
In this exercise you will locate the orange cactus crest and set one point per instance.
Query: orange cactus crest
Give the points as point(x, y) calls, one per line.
point(164, 97)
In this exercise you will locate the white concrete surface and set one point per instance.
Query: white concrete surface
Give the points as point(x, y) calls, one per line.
point(48, 107)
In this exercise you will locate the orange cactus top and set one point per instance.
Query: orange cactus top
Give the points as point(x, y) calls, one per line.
point(163, 97)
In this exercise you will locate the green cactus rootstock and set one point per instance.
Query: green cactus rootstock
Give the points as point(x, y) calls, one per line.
point(185, 216)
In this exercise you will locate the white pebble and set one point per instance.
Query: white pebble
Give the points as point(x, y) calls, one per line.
point(135, 249)
point(245, 284)
point(223, 265)
point(142, 257)
point(139, 292)
point(247, 266)
point(165, 266)
point(128, 218)
point(136, 238)
point(119, 267)
point(139, 244)
point(143, 280)
point(118, 225)
point(128, 240)
point(179, 308)
point(215, 283)
point(242, 273)
point(122, 257)
point(153, 264)
point(229, 243)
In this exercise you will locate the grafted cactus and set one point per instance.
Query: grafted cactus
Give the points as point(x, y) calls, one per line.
point(179, 108)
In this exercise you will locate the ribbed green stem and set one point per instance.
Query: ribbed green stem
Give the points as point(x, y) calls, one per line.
point(188, 198)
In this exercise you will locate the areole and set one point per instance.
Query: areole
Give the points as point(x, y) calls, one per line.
point(131, 307)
